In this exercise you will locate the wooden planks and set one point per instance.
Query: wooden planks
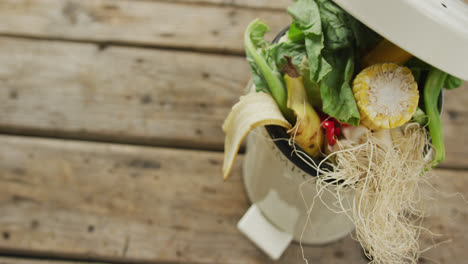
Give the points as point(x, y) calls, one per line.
point(126, 203)
point(151, 23)
point(264, 4)
point(447, 217)
point(119, 202)
point(130, 95)
point(455, 127)
point(123, 94)
point(9, 260)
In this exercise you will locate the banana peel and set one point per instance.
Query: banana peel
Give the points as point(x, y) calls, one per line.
point(252, 110)
point(307, 132)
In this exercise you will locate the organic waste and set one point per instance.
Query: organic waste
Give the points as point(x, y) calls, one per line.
point(353, 101)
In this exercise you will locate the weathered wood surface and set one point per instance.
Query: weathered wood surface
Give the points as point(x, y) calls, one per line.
point(447, 217)
point(10, 260)
point(157, 97)
point(123, 94)
point(206, 27)
point(264, 4)
point(455, 127)
point(119, 202)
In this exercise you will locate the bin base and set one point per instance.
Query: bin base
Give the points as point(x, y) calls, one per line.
point(274, 184)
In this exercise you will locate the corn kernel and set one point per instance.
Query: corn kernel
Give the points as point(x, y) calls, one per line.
point(386, 95)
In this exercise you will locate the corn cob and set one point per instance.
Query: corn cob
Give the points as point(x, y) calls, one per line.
point(386, 94)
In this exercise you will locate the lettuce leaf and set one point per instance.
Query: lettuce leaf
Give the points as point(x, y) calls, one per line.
point(266, 76)
point(312, 88)
point(278, 51)
point(295, 34)
point(335, 24)
point(337, 97)
point(306, 17)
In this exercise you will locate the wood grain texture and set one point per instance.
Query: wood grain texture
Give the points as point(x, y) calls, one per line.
point(10, 260)
point(151, 23)
point(455, 127)
point(263, 4)
point(121, 202)
point(123, 94)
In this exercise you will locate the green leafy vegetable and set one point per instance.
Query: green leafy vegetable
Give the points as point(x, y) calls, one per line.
point(420, 117)
point(295, 34)
point(418, 67)
point(337, 96)
point(335, 24)
point(265, 73)
point(452, 82)
point(278, 51)
point(306, 17)
point(364, 37)
point(329, 37)
point(312, 88)
point(434, 82)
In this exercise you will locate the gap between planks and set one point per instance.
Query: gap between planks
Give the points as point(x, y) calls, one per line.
point(264, 5)
point(19, 256)
point(149, 23)
point(102, 45)
point(112, 139)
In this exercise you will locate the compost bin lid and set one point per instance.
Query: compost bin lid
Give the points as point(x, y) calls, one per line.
point(435, 31)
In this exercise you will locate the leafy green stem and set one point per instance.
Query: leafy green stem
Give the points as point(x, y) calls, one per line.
point(252, 36)
point(434, 82)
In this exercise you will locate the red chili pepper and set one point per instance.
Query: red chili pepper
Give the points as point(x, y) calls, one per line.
point(332, 127)
point(345, 125)
point(331, 136)
point(328, 125)
point(337, 131)
point(330, 131)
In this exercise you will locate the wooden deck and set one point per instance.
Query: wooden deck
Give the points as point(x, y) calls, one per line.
point(111, 141)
